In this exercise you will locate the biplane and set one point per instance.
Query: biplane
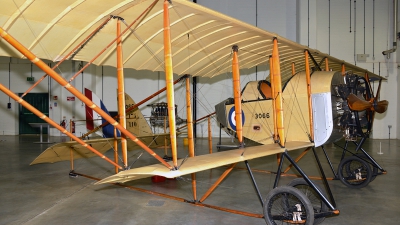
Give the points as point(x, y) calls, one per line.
point(183, 38)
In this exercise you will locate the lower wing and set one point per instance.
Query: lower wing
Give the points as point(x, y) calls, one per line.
point(204, 162)
point(62, 151)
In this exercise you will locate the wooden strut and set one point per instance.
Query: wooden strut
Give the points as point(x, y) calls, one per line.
point(327, 64)
point(271, 68)
point(293, 69)
point(29, 55)
point(275, 135)
point(308, 79)
point(47, 119)
point(209, 136)
point(68, 55)
point(115, 149)
point(276, 73)
point(165, 137)
point(343, 70)
point(169, 83)
point(236, 94)
point(71, 151)
point(121, 94)
point(190, 133)
point(215, 185)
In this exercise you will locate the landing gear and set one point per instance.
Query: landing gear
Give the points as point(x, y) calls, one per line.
point(288, 205)
point(318, 205)
point(354, 172)
point(357, 170)
point(300, 202)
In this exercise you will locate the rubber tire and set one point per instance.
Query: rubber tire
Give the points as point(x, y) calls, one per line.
point(295, 196)
point(346, 172)
point(373, 168)
point(315, 200)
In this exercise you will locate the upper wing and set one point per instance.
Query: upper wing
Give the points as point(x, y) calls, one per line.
point(204, 162)
point(202, 39)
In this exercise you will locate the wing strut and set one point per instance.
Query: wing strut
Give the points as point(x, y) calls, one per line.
point(293, 68)
point(277, 95)
point(271, 68)
point(169, 83)
point(236, 95)
point(326, 64)
point(115, 142)
point(190, 132)
point(121, 93)
point(57, 77)
point(308, 78)
point(343, 69)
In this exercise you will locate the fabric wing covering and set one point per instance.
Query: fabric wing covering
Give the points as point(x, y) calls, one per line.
point(202, 39)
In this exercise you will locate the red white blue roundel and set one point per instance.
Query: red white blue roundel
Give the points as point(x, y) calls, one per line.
point(232, 116)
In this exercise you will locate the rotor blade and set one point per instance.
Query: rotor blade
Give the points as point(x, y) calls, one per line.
point(381, 106)
point(357, 104)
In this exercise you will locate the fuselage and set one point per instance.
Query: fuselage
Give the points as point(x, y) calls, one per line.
point(328, 109)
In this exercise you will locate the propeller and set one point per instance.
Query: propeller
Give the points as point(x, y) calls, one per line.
point(358, 104)
point(366, 101)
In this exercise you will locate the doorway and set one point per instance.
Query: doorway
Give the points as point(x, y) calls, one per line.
point(41, 102)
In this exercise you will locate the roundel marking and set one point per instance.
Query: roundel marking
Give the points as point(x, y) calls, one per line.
point(232, 118)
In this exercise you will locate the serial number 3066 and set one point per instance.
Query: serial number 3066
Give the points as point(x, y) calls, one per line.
point(261, 115)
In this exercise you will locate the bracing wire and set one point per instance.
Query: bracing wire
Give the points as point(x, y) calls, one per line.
point(144, 44)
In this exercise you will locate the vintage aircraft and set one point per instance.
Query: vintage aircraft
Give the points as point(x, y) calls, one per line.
point(343, 106)
point(136, 124)
point(198, 40)
point(159, 114)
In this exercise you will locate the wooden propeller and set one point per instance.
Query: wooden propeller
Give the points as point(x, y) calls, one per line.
point(357, 104)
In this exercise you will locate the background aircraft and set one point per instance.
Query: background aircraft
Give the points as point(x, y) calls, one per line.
point(136, 123)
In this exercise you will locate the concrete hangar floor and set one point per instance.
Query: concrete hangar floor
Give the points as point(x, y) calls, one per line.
point(46, 194)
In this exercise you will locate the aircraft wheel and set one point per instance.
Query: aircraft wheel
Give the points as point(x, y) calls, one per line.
point(354, 172)
point(373, 168)
point(285, 204)
point(316, 202)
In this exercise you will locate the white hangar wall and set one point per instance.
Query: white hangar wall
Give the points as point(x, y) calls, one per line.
point(345, 29)
point(309, 22)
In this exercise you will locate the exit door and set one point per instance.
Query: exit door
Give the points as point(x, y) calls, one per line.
point(41, 102)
